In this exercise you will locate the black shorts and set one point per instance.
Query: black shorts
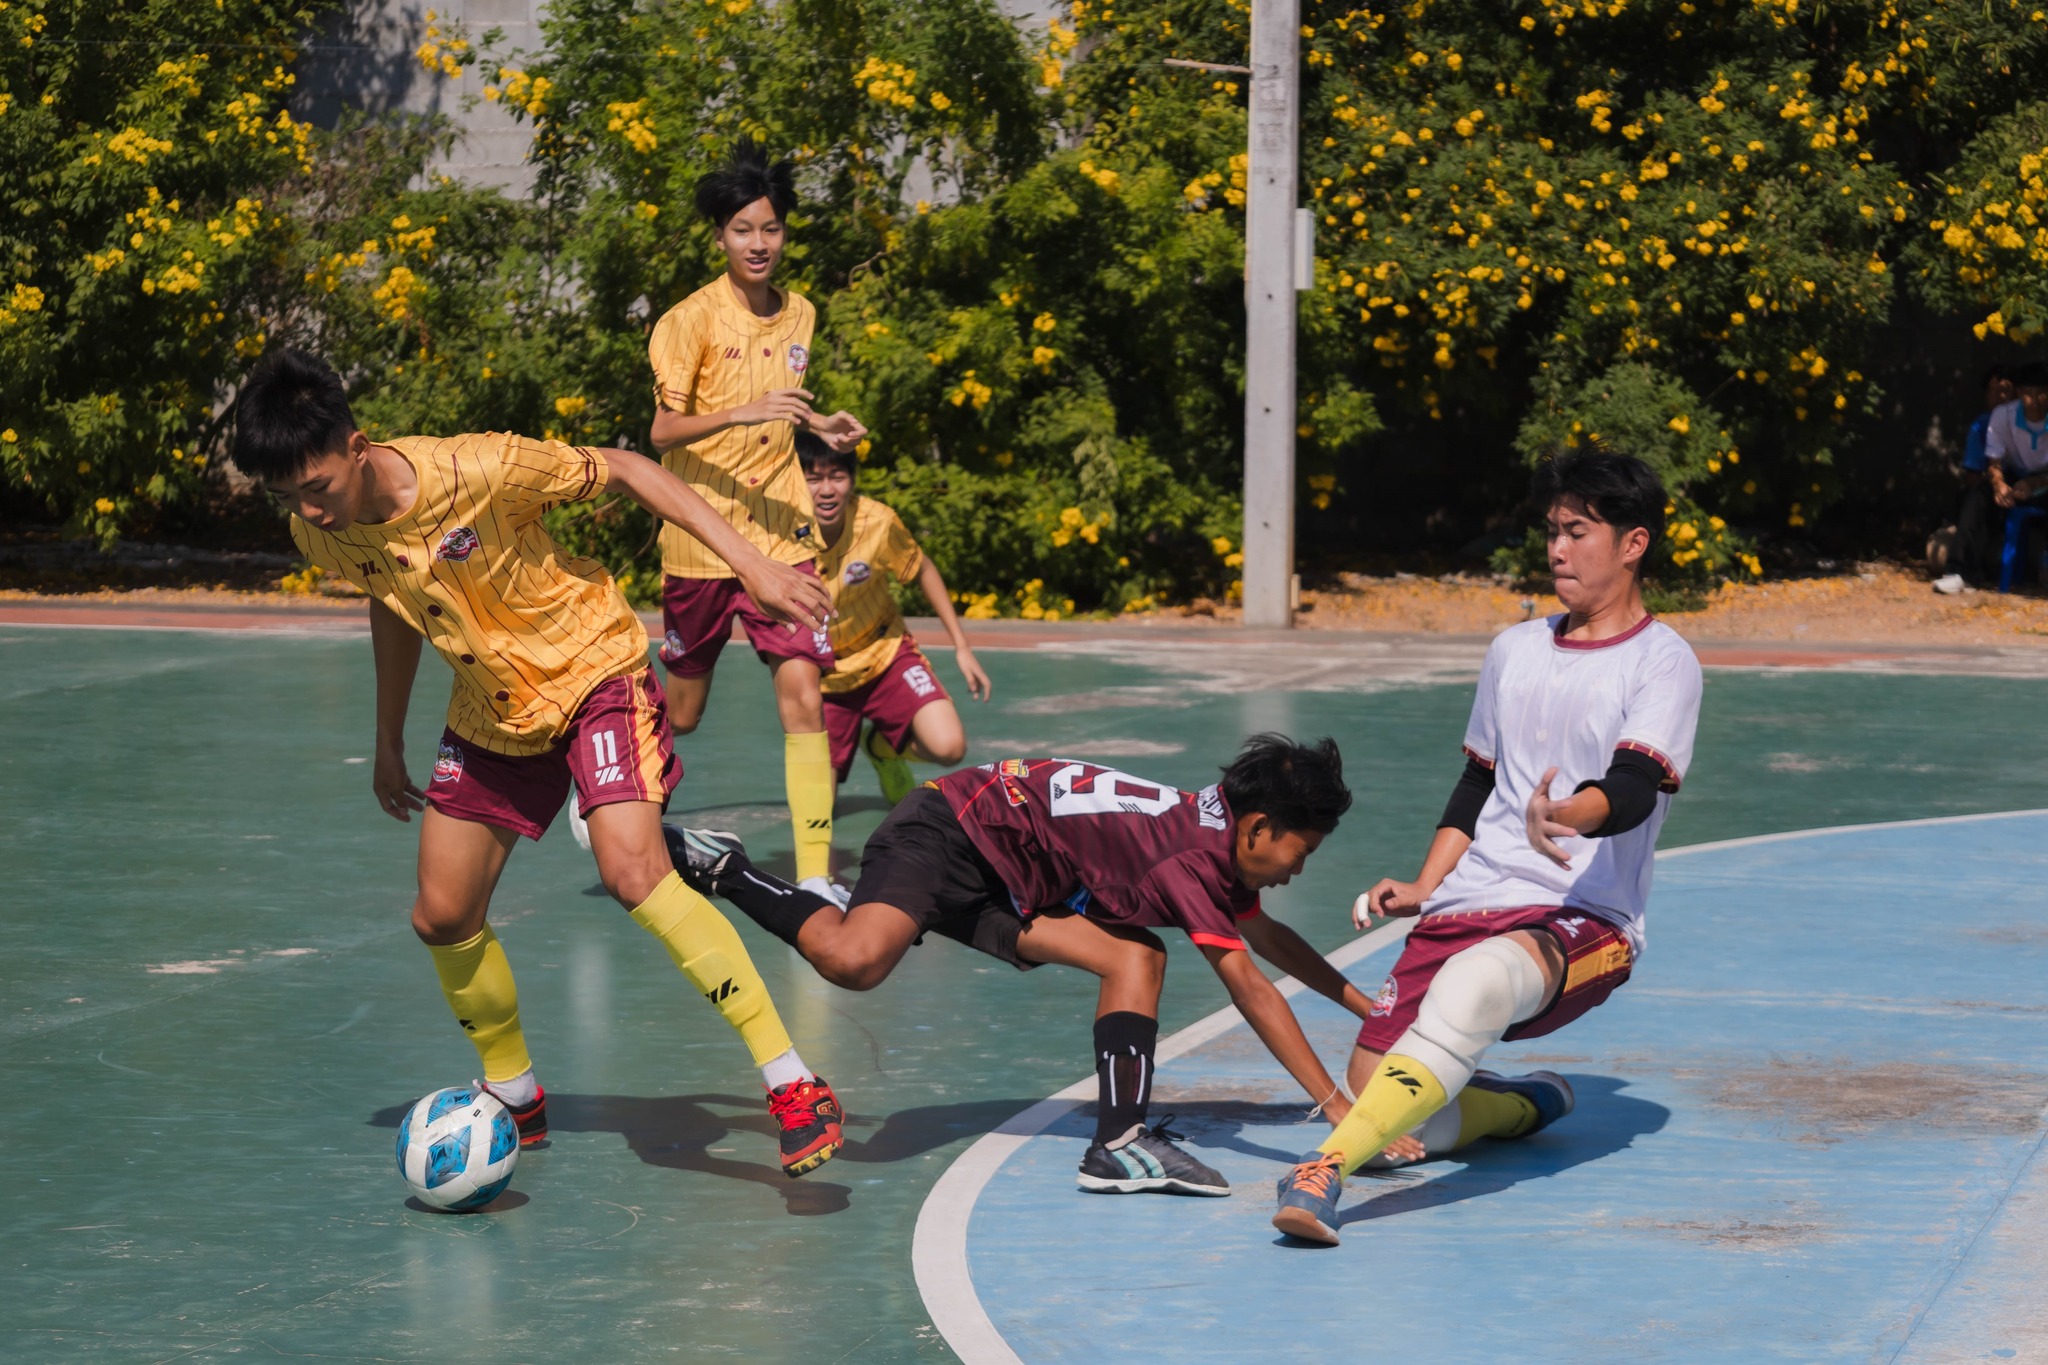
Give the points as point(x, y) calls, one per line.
point(923, 863)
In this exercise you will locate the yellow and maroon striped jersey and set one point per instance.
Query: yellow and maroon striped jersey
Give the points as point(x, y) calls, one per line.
point(529, 630)
point(711, 354)
point(874, 547)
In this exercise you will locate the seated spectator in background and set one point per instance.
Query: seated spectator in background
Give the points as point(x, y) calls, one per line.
point(2016, 446)
point(1980, 527)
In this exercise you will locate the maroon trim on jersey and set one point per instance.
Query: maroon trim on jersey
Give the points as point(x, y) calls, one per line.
point(1671, 780)
point(1481, 759)
point(1557, 634)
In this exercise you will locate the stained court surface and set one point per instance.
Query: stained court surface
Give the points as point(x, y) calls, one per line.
point(212, 1011)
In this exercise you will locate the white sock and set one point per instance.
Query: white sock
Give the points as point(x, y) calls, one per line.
point(787, 1069)
point(518, 1092)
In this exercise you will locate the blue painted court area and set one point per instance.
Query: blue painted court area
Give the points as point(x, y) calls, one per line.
point(1810, 1128)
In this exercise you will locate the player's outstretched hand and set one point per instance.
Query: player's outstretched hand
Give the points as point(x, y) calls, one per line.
point(394, 789)
point(1388, 899)
point(978, 685)
point(842, 430)
point(1544, 830)
point(786, 594)
point(779, 405)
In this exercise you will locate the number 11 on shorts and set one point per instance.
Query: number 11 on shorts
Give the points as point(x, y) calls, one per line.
point(604, 756)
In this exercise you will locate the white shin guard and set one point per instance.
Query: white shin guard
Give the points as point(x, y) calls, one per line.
point(1476, 997)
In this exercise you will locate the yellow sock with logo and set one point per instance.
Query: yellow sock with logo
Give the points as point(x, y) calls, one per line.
point(1401, 1094)
point(807, 776)
point(1492, 1114)
point(709, 952)
point(477, 979)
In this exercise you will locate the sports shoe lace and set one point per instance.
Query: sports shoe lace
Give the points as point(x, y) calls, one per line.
point(794, 1106)
point(1164, 1132)
point(1316, 1177)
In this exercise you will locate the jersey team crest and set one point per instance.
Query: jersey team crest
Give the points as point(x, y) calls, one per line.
point(858, 571)
point(799, 358)
point(459, 544)
point(448, 763)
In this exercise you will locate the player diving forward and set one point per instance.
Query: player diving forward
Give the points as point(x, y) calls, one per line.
point(729, 366)
point(552, 690)
point(1052, 860)
point(1518, 936)
point(879, 675)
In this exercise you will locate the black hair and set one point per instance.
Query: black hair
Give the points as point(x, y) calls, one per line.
point(291, 411)
point(812, 452)
point(1994, 373)
point(1619, 489)
point(746, 176)
point(2032, 375)
point(1295, 786)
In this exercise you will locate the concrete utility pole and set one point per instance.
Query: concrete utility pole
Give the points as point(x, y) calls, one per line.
point(1272, 274)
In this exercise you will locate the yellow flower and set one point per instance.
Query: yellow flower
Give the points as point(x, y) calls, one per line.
point(1221, 545)
point(8, 436)
point(103, 506)
point(1043, 356)
point(940, 102)
point(1680, 424)
point(570, 407)
point(1044, 322)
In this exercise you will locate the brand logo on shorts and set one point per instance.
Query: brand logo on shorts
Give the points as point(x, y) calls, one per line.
point(1209, 801)
point(920, 679)
point(1571, 926)
point(1389, 996)
point(671, 650)
point(459, 544)
point(858, 571)
point(448, 764)
point(821, 643)
point(799, 358)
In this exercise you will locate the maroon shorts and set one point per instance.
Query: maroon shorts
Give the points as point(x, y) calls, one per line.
point(697, 616)
point(617, 748)
point(1597, 960)
point(891, 701)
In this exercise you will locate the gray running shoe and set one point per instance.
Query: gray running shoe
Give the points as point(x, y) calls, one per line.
point(1146, 1160)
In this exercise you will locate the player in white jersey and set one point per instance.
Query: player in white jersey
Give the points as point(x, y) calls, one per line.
point(1531, 901)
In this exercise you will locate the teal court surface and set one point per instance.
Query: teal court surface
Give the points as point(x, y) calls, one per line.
point(1809, 1129)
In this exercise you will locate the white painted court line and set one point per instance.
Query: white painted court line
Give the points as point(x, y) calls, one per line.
point(938, 1248)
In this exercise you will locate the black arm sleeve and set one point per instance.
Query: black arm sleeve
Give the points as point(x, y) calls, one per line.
point(1468, 798)
point(1631, 787)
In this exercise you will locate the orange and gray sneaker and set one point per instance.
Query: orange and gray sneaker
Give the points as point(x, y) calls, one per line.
point(809, 1116)
point(1308, 1199)
point(532, 1120)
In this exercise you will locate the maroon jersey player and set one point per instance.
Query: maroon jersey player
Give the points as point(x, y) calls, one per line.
point(1056, 860)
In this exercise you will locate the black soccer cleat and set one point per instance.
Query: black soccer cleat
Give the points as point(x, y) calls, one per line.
point(1145, 1160)
point(701, 856)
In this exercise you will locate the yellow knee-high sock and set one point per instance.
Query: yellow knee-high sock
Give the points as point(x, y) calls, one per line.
point(807, 776)
point(1492, 1114)
point(709, 952)
point(477, 979)
point(1401, 1094)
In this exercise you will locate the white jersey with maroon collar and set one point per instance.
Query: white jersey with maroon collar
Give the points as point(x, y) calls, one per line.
point(1544, 701)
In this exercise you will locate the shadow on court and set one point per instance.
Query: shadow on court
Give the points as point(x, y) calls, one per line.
point(1604, 1122)
point(685, 1133)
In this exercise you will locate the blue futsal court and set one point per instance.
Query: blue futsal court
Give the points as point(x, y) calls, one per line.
point(1804, 1127)
point(1808, 1129)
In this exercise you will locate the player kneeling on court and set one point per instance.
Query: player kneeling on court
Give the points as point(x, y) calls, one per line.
point(1518, 937)
point(880, 676)
point(1051, 860)
point(552, 690)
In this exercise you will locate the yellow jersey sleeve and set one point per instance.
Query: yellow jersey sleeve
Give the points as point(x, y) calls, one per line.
point(676, 351)
point(899, 552)
point(535, 475)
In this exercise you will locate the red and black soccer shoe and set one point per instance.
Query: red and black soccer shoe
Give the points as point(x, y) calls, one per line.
point(809, 1116)
point(532, 1120)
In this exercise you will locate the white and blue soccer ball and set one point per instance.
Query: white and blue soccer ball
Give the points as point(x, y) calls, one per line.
point(457, 1148)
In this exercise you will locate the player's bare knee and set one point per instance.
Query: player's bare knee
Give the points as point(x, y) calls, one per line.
point(440, 921)
point(851, 971)
point(949, 751)
point(632, 877)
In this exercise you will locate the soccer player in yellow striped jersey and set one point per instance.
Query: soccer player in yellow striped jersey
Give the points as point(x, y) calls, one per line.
point(729, 364)
point(879, 674)
point(553, 691)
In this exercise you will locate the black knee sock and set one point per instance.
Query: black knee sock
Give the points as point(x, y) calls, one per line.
point(767, 900)
point(1123, 1071)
